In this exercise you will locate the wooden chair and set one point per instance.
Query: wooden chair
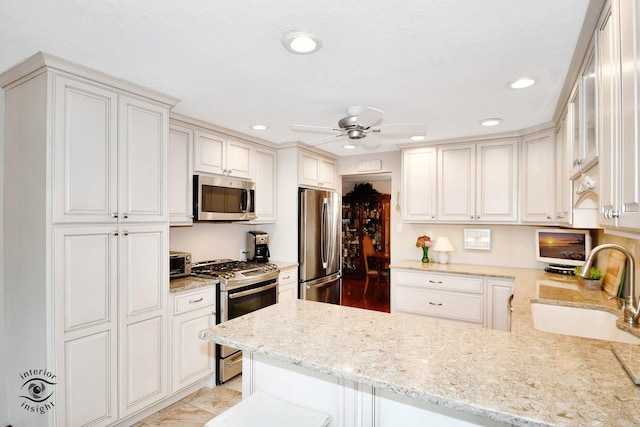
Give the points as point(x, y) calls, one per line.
point(368, 249)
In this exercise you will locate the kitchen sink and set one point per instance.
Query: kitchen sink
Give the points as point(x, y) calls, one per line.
point(579, 322)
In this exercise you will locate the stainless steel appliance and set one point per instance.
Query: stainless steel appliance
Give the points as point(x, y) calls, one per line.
point(179, 264)
point(244, 287)
point(218, 198)
point(258, 246)
point(319, 246)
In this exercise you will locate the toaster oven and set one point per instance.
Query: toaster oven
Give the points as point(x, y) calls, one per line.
point(179, 264)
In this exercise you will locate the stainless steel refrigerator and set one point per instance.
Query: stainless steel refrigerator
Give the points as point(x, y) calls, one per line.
point(319, 246)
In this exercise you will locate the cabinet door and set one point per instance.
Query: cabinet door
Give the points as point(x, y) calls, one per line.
point(142, 163)
point(629, 148)
point(499, 304)
point(538, 178)
point(563, 183)
point(456, 183)
point(85, 284)
point(327, 174)
point(609, 114)
point(208, 153)
point(265, 179)
point(85, 152)
point(288, 285)
point(419, 184)
point(143, 285)
point(180, 175)
point(238, 159)
point(308, 170)
point(194, 358)
point(497, 181)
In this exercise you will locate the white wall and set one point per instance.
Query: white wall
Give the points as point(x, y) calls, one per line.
point(511, 245)
point(3, 374)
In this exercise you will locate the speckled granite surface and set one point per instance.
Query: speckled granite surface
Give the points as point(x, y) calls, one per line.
point(525, 377)
point(189, 283)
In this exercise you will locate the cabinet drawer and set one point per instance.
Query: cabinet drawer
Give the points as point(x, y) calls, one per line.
point(447, 305)
point(439, 281)
point(193, 300)
point(288, 276)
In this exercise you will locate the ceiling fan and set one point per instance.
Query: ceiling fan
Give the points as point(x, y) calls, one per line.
point(361, 123)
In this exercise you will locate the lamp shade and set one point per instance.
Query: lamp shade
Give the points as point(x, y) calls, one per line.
point(443, 244)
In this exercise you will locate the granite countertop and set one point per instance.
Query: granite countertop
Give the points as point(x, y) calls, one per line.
point(525, 377)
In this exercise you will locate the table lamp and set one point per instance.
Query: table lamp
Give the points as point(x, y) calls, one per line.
point(442, 246)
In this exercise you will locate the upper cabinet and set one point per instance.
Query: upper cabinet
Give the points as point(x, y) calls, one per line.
point(109, 155)
point(617, 43)
point(582, 116)
point(564, 198)
point(180, 175)
point(265, 176)
point(217, 154)
point(478, 182)
point(317, 171)
point(419, 184)
point(538, 177)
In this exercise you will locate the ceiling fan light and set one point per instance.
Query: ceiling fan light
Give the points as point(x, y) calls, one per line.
point(349, 146)
point(301, 43)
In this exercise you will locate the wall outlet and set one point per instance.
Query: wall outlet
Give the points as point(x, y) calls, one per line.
point(243, 254)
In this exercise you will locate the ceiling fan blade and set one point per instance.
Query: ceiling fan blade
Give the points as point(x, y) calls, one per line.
point(370, 117)
point(324, 140)
point(371, 142)
point(310, 128)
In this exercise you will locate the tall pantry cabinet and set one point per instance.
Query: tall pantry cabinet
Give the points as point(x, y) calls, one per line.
point(86, 222)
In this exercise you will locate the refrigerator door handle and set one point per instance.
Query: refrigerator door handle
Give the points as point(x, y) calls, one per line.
point(324, 233)
point(321, 282)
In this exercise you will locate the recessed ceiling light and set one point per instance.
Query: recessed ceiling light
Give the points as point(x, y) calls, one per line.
point(349, 146)
point(301, 43)
point(417, 138)
point(491, 122)
point(259, 127)
point(523, 83)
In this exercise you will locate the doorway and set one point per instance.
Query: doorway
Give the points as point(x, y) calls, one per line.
point(366, 215)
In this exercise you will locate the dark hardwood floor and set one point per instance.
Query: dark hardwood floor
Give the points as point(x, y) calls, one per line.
point(377, 297)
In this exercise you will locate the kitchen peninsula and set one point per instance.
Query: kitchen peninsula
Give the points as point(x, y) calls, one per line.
point(369, 368)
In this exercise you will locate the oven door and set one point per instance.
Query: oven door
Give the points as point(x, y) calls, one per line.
point(236, 303)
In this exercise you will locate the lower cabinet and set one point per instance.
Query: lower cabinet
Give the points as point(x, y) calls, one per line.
point(471, 300)
point(193, 358)
point(288, 284)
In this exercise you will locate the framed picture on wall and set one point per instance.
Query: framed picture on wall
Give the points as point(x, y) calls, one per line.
point(477, 238)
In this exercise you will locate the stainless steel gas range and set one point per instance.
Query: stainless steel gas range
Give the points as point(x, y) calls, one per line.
point(244, 287)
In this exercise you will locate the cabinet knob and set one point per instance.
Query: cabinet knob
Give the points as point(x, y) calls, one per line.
point(114, 215)
point(471, 217)
point(125, 215)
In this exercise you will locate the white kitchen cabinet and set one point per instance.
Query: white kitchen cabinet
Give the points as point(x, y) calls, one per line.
point(617, 42)
point(538, 177)
point(316, 171)
point(564, 200)
point(221, 155)
point(180, 175)
point(86, 155)
point(109, 155)
point(583, 119)
point(478, 182)
point(193, 358)
point(143, 315)
point(265, 170)
point(419, 184)
point(288, 284)
point(499, 295)
point(450, 297)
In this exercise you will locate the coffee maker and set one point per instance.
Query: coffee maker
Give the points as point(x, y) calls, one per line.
point(258, 246)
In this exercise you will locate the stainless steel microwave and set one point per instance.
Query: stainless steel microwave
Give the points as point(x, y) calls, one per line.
point(218, 198)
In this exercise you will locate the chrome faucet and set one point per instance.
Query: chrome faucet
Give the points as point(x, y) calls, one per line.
point(630, 305)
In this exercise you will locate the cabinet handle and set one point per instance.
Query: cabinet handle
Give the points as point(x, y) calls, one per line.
point(548, 216)
point(125, 215)
point(193, 301)
point(286, 277)
point(439, 282)
point(125, 233)
point(114, 215)
point(471, 217)
point(436, 304)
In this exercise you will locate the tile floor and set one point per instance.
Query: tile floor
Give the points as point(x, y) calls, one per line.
point(198, 408)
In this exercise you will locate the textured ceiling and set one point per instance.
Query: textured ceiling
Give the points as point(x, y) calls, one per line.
point(444, 63)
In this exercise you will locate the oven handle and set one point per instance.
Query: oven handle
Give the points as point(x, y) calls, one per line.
point(252, 291)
